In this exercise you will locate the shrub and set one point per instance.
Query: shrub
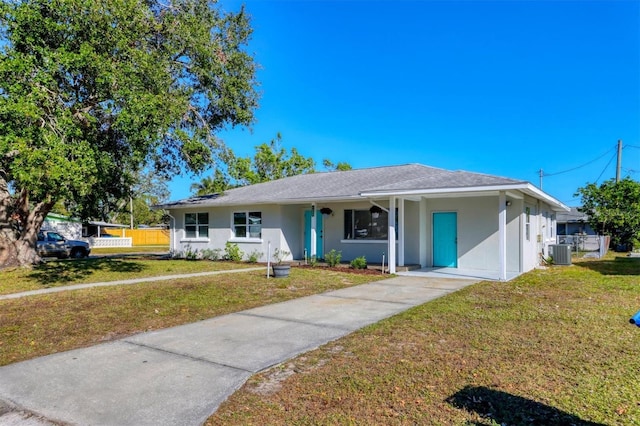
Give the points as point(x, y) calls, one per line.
point(232, 252)
point(333, 257)
point(313, 261)
point(359, 263)
point(280, 255)
point(211, 254)
point(254, 256)
point(190, 254)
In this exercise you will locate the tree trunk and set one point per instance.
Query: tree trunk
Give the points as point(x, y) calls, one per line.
point(19, 227)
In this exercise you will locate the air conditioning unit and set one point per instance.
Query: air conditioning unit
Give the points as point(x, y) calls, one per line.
point(561, 253)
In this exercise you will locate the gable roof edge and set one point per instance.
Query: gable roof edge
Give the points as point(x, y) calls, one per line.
point(524, 187)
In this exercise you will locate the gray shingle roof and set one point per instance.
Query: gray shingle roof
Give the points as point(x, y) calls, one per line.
point(572, 216)
point(345, 185)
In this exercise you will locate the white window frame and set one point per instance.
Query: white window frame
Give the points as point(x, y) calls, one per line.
point(198, 227)
point(247, 225)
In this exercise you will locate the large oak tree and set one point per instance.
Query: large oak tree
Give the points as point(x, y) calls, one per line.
point(93, 91)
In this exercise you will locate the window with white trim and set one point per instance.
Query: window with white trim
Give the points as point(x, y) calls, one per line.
point(372, 224)
point(247, 224)
point(196, 225)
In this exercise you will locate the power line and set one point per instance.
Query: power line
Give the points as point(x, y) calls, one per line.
point(581, 166)
point(605, 167)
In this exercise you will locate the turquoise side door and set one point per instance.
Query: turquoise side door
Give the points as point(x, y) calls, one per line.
point(307, 234)
point(445, 239)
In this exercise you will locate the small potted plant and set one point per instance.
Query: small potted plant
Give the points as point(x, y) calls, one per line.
point(280, 269)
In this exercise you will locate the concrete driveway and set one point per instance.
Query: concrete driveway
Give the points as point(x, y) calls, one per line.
point(180, 375)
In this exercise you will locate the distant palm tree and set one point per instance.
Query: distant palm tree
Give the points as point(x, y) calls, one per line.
point(211, 184)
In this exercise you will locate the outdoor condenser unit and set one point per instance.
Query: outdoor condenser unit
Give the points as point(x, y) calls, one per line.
point(561, 254)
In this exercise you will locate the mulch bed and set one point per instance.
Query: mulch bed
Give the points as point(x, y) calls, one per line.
point(371, 270)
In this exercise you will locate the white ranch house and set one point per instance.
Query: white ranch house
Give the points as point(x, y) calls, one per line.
point(407, 215)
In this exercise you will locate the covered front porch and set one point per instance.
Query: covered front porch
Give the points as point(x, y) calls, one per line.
point(483, 238)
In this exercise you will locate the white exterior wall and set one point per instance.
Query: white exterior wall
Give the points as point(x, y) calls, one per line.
point(69, 230)
point(478, 232)
point(543, 232)
point(280, 226)
point(414, 227)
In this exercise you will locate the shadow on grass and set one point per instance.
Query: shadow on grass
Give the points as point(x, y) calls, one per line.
point(59, 272)
point(504, 408)
point(619, 265)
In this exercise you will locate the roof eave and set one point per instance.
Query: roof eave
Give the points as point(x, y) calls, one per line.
point(525, 187)
point(261, 202)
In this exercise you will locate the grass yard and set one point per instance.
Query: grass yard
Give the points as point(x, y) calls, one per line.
point(553, 347)
point(57, 273)
point(44, 324)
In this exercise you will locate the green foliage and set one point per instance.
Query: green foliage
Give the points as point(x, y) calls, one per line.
point(94, 91)
point(333, 257)
point(313, 261)
point(211, 254)
point(149, 189)
point(280, 255)
point(613, 209)
point(254, 256)
point(270, 162)
point(232, 252)
point(216, 184)
point(339, 166)
point(359, 263)
point(190, 254)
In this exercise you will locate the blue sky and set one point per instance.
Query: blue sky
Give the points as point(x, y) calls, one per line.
point(498, 87)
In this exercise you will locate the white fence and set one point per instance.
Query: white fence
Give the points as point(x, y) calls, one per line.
point(109, 242)
point(588, 245)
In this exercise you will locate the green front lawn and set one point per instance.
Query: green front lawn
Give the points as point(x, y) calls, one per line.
point(44, 324)
point(553, 347)
point(57, 273)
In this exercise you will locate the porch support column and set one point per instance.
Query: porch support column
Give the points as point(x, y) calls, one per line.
point(313, 232)
point(392, 235)
point(400, 230)
point(502, 235)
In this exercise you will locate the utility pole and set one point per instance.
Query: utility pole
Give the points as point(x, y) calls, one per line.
point(619, 165)
point(541, 175)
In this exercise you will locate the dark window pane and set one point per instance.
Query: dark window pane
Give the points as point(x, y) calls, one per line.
point(241, 231)
point(190, 231)
point(203, 231)
point(239, 218)
point(362, 224)
point(190, 218)
point(203, 218)
point(348, 224)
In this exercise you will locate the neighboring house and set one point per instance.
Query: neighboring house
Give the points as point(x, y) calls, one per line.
point(439, 218)
point(94, 232)
point(574, 222)
point(63, 225)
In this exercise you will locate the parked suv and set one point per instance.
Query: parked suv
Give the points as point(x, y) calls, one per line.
point(52, 244)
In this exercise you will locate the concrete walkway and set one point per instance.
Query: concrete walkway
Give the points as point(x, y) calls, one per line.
point(180, 375)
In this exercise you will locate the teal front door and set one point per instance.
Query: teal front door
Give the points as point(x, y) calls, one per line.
point(445, 239)
point(307, 234)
